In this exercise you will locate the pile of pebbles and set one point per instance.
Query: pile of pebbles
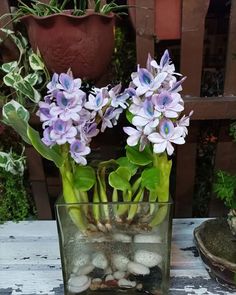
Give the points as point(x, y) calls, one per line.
point(97, 271)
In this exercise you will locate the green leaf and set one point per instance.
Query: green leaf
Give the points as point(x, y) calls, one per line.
point(84, 178)
point(32, 79)
point(45, 151)
point(16, 116)
point(129, 116)
point(9, 67)
point(139, 158)
point(120, 178)
point(36, 62)
point(26, 89)
point(124, 162)
point(151, 178)
point(9, 80)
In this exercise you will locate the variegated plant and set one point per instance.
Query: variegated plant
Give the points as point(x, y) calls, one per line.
point(25, 76)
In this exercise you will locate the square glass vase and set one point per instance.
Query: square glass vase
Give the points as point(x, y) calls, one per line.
point(115, 254)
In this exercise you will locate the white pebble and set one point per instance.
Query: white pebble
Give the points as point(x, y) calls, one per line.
point(119, 275)
point(138, 269)
point(109, 278)
point(146, 239)
point(99, 260)
point(147, 258)
point(120, 262)
point(126, 283)
point(82, 259)
point(78, 284)
point(86, 269)
point(122, 238)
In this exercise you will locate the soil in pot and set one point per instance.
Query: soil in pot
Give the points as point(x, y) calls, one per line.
point(219, 240)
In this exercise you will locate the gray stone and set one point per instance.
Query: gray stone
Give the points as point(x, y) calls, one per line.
point(78, 284)
point(137, 268)
point(120, 262)
point(99, 260)
point(147, 258)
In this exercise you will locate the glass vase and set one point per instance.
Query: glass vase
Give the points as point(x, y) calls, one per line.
point(116, 255)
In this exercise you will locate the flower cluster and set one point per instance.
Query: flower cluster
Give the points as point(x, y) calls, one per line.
point(155, 107)
point(73, 116)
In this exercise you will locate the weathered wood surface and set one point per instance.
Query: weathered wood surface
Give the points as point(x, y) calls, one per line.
point(30, 261)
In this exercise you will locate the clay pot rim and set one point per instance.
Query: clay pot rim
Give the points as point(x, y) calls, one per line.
point(65, 13)
point(201, 247)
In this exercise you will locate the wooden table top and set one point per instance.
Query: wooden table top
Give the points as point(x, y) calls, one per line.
point(30, 260)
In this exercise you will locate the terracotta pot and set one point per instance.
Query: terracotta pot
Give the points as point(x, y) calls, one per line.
point(83, 43)
point(167, 24)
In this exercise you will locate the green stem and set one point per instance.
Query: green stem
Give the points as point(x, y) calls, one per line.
point(123, 208)
point(115, 199)
point(162, 192)
point(69, 193)
point(102, 191)
point(133, 208)
point(96, 200)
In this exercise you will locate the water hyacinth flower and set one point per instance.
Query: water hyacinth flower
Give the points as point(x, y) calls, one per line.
point(184, 123)
point(63, 131)
point(136, 136)
point(110, 117)
point(146, 83)
point(156, 106)
point(168, 103)
point(167, 135)
point(87, 131)
point(148, 117)
point(66, 109)
point(78, 150)
point(96, 103)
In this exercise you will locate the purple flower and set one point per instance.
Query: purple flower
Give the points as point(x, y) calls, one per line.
point(96, 103)
point(167, 135)
point(44, 111)
point(148, 117)
point(63, 132)
point(118, 99)
point(70, 87)
point(168, 104)
point(136, 136)
point(47, 138)
point(183, 123)
point(78, 150)
point(146, 83)
point(87, 131)
point(52, 85)
point(66, 109)
point(110, 117)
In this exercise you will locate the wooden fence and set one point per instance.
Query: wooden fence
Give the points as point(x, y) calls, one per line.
point(205, 108)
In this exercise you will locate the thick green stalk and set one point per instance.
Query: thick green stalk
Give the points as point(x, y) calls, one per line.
point(123, 208)
point(69, 195)
point(115, 199)
point(96, 200)
point(102, 192)
point(133, 208)
point(162, 192)
point(69, 192)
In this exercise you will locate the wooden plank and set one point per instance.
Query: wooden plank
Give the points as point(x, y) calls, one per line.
point(230, 73)
point(145, 22)
point(38, 184)
point(8, 49)
point(193, 27)
point(211, 108)
point(185, 174)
